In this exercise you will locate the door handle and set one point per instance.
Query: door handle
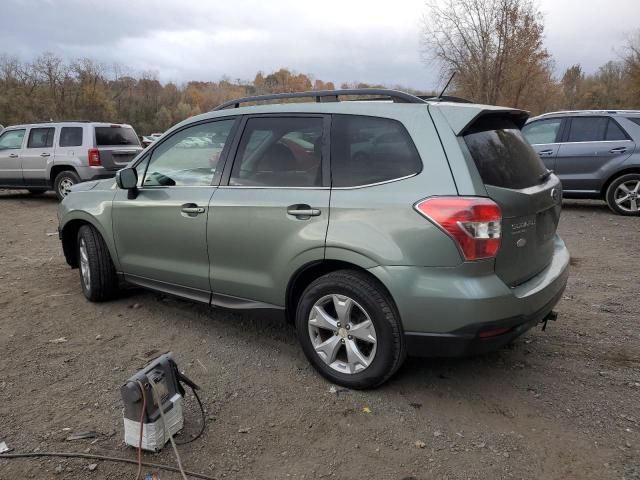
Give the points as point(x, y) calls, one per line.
point(13, 155)
point(302, 210)
point(43, 154)
point(192, 209)
point(618, 150)
point(545, 153)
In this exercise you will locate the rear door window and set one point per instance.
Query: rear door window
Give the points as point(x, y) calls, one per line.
point(70, 136)
point(501, 153)
point(12, 139)
point(116, 135)
point(542, 131)
point(280, 152)
point(368, 150)
point(41, 137)
point(614, 132)
point(587, 129)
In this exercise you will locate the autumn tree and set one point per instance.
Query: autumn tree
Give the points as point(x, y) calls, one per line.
point(494, 46)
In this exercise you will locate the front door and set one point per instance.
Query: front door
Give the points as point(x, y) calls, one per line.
point(10, 157)
point(271, 215)
point(590, 143)
point(37, 155)
point(160, 235)
point(543, 136)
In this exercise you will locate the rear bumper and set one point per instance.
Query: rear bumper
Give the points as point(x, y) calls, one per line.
point(468, 341)
point(445, 310)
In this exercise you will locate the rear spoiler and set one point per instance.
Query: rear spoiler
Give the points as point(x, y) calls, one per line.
point(461, 117)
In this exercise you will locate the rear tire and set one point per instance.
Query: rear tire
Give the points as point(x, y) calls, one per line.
point(354, 302)
point(623, 195)
point(97, 274)
point(64, 181)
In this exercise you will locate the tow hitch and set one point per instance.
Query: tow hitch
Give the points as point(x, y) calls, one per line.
point(552, 315)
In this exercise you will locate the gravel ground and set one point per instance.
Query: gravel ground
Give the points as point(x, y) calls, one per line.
point(560, 404)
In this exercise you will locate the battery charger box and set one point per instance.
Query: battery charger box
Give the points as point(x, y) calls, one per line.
point(163, 374)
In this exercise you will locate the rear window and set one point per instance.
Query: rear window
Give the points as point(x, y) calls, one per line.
point(635, 120)
point(367, 150)
point(502, 155)
point(71, 136)
point(116, 135)
point(587, 129)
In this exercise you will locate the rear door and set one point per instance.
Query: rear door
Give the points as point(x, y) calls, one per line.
point(160, 235)
point(117, 144)
point(543, 135)
point(37, 155)
point(589, 145)
point(11, 142)
point(529, 197)
point(271, 215)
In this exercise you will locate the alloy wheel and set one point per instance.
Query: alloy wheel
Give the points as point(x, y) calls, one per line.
point(627, 196)
point(84, 265)
point(342, 333)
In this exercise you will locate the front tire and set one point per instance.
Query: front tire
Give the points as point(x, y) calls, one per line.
point(350, 330)
point(623, 195)
point(97, 274)
point(63, 183)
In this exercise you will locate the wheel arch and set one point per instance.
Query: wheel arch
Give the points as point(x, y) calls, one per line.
point(613, 176)
point(57, 169)
point(69, 238)
point(309, 272)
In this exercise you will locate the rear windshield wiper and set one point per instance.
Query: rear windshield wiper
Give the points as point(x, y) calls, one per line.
point(545, 175)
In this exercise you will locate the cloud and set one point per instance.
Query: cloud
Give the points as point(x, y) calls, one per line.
point(338, 40)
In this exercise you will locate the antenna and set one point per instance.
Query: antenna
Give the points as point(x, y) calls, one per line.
point(447, 85)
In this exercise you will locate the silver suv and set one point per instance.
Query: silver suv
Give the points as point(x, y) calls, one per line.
point(595, 153)
point(44, 156)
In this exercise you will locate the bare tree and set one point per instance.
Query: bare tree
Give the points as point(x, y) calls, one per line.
point(495, 47)
point(632, 68)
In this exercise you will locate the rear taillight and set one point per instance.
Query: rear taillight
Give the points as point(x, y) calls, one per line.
point(94, 157)
point(473, 222)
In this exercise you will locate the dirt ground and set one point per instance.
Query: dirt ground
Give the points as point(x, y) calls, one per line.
point(560, 404)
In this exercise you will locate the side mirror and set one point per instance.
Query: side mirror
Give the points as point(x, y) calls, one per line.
point(127, 178)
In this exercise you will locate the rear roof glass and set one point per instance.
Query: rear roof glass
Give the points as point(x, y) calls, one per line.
point(502, 155)
point(635, 120)
point(116, 135)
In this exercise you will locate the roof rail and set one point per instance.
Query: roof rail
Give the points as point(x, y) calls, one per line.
point(58, 121)
point(326, 96)
point(566, 112)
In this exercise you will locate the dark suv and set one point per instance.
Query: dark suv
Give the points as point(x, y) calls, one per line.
point(595, 153)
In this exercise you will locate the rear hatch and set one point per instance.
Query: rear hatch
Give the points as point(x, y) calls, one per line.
point(528, 194)
point(117, 144)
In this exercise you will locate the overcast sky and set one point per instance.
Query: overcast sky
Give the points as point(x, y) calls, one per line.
point(339, 40)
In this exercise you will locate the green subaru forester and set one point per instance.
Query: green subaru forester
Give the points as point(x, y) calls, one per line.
point(381, 228)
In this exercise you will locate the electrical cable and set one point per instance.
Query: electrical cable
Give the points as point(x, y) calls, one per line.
point(91, 456)
point(203, 423)
point(166, 429)
point(143, 408)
